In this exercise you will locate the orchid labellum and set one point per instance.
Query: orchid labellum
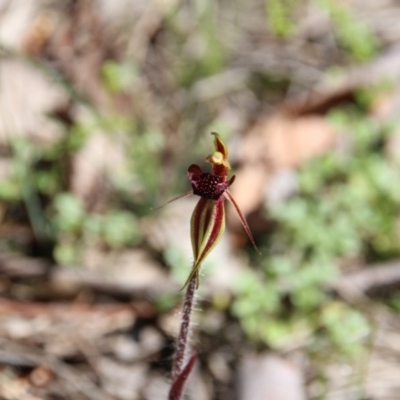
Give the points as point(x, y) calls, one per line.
point(208, 218)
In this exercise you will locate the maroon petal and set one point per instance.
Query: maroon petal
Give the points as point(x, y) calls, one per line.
point(194, 171)
point(207, 227)
point(231, 180)
point(220, 146)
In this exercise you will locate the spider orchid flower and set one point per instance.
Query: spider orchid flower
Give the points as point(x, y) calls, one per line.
point(208, 218)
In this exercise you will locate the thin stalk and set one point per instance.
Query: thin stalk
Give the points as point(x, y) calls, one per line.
point(183, 345)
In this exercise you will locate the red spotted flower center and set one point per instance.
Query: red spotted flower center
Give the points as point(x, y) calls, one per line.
point(209, 185)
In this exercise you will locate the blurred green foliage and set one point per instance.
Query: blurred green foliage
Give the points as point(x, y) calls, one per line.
point(279, 19)
point(354, 35)
point(346, 208)
point(117, 76)
point(77, 229)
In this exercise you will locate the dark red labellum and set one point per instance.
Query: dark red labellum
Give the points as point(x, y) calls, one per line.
point(209, 186)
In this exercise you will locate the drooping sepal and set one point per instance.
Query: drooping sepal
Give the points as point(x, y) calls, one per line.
point(246, 227)
point(207, 227)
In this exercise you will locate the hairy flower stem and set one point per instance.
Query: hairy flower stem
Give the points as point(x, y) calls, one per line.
point(182, 345)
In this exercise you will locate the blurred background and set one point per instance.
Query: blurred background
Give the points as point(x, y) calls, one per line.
point(104, 104)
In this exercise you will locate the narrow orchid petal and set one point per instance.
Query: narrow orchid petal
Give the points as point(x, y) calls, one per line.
point(207, 227)
point(219, 158)
point(228, 195)
point(220, 145)
point(231, 180)
point(181, 196)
